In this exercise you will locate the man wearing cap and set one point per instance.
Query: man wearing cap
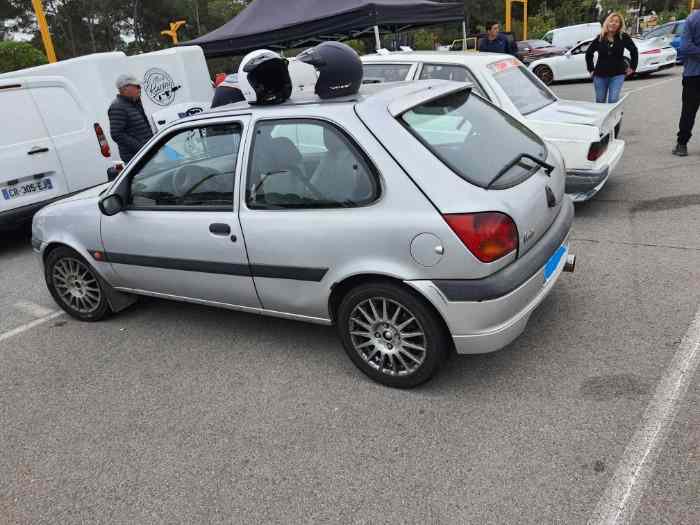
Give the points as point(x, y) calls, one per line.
point(128, 123)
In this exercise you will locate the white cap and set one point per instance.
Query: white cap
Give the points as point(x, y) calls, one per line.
point(126, 80)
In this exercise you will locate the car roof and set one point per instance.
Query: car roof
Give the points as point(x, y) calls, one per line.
point(371, 94)
point(440, 57)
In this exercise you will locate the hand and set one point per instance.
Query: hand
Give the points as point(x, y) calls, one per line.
point(629, 72)
point(591, 73)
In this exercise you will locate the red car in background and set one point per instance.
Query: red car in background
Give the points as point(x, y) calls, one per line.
point(531, 50)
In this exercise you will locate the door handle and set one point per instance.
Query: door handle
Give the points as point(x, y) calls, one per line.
point(36, 150)
point(219, 228)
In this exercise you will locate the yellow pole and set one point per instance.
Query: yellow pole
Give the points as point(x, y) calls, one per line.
point(44, 28)
point(524, 19)
point(508, 15)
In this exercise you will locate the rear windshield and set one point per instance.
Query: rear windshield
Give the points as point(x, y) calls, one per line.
point(524, 89)
point(378, 73)
point(473, 138)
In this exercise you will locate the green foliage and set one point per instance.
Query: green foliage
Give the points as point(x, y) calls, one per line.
point(423, 40)
point(19, 55)
point(538, 26)
point(357, 45)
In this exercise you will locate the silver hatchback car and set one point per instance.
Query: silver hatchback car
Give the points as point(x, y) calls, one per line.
point(417, 218)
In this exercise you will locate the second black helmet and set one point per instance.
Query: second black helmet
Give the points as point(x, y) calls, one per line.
point(339, 69)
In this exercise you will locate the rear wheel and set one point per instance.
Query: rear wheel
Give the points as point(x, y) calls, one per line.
point(75, 286)
point(392, 335)
point(545, 74)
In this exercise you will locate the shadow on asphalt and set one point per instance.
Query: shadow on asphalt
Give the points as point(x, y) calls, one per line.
point(16, 240)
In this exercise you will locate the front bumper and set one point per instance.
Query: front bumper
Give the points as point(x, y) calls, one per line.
point(486, 325)
point(581, 185)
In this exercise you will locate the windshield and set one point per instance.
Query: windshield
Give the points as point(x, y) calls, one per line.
point(524, 89)
point(537, 44)
point(474, 138)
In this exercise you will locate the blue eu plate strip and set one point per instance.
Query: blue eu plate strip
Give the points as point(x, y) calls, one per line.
point(553, 262)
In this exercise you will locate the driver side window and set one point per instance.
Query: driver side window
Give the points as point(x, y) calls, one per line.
point(193, 168)
point(581, 49)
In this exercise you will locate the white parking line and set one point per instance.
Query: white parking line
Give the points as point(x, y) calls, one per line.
point(29, 326)
point(33, 309)
point(623, 494)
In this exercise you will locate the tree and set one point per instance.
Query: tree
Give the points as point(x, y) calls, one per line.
point(19, 55)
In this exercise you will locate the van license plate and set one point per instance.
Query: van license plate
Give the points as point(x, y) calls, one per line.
point(553, 263)
point(27, 188)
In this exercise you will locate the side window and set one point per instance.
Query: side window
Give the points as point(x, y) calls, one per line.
point(307, 164)
point(548, 37)
point(581, 49)
point(61, 112)
point(451, 72)
point(16, 106)
point(679, 28)
point(193, 168)
point(378, 73)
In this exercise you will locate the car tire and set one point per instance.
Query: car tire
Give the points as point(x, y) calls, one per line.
point(75, 285)
point(392, 334)
point(545, 74)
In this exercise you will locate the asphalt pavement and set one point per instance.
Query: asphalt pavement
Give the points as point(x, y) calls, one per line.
point(174, 413)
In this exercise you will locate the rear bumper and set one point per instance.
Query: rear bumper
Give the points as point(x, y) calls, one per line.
point(487, 314)
point(657, 63)
point(582, 185)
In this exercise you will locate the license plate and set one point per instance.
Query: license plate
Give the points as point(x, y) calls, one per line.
point(27, 188)
point(553, 263)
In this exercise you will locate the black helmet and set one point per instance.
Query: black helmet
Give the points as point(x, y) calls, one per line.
point(264, 78)
point(339, 68)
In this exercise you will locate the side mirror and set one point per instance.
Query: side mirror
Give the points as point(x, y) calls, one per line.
point(111, 205)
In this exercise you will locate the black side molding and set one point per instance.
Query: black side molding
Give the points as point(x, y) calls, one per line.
point(514, 275)
point(243, 270)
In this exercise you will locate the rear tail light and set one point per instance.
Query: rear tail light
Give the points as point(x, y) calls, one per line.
point(102, 141)
point(488, 235)
point(598, 149)
point(652, 52)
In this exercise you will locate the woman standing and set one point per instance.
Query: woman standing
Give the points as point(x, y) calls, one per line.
point(612, 67)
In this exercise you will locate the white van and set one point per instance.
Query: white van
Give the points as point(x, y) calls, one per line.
point(568, 37)
point(58, 139)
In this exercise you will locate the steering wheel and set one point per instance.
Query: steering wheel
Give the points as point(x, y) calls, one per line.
point(188, 178)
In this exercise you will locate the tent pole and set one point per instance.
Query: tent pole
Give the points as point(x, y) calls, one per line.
point(377, 40)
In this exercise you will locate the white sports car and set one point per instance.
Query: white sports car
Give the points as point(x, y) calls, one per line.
point(585, 132)
point(654, 55)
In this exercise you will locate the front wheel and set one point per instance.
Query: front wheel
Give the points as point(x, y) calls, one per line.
point(392, 335)
point(545, 74)
point(75, 285)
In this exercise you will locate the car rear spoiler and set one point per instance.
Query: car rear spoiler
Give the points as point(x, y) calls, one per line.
point(426, 94)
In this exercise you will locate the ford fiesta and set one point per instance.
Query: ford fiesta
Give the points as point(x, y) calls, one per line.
point(417, 218)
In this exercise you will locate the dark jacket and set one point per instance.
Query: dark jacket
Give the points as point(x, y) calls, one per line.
point(611, 55)
point(690, 45)
point(499, 45)
point(128, 126)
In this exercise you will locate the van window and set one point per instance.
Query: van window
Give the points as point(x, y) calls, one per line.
point(60, 112)
point(548, 37)
point(17, 108)
point(474, 139)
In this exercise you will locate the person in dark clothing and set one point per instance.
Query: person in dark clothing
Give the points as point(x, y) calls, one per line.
point(495, 42)
point(612, 68)
point(690, 49)
point(228, 92)
point(128, 123)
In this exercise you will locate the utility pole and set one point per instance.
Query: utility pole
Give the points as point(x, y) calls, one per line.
point(44, 29)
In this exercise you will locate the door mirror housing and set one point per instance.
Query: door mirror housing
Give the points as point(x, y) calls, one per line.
point(111, 204)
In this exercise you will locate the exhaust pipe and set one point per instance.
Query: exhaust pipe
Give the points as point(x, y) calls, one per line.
point(570, 264)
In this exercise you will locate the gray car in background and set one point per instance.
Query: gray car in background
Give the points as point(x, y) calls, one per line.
point(416, 218)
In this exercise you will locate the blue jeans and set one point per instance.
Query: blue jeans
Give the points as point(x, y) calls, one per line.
point(607, 89)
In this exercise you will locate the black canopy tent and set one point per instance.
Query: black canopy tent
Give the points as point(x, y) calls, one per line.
point(294, 23)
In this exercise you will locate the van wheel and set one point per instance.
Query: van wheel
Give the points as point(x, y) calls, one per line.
point(75, 286)
point(545, 74)
point(392, 335)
